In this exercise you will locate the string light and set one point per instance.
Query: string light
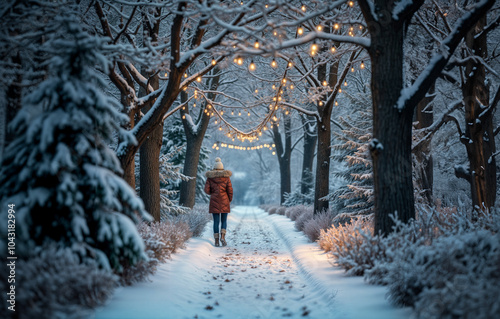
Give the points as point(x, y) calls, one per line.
point(333, 49)
point(336, 103)
point(336, 26)
point(256, 44)
point(214, 62)
point(185, 75)
point(303, 8)
point(325, 83)
point(362, 65)
point(251, 67)
point(290, 64)
point(198, 79)
point(351, 4)
point(300, 31)
point(345, 83)
point(352, 69)
point(314, 47)
point(274, 63)
point(240, 61)
point(319, 27)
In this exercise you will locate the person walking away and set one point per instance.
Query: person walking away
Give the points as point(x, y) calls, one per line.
point(219, 187)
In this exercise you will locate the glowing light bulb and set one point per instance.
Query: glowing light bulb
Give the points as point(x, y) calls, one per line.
point(240, 61)
point(256, 91)
point(274, 63)
point(300, 31)
point(314, 47)
point(336, 103)
point(320, 103)
point(351, 3)
point(303, 8)
point(214, 62)
point(284, 81)
point(185, 75)
point(248, 113)
point(345, 83)
point(362, 65)
point(352, 69)
point(291, 86)
point(325, 83)
point(319, 28)
point(290, 64)
point(251, 67)
point(336, 26)
point(333, 49)
point(256, 44)
point(340, 90)
point(198, 79)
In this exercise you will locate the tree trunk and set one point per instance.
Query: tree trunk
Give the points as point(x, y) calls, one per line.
point(150, 162)
point(310, 138)
point(322, 186)
point(283, 152)
point(392, 131)
point(194, 140)
point(425, 173)
point(479, 138)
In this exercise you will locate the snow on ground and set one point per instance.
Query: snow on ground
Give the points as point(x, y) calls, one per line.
point(268, 270)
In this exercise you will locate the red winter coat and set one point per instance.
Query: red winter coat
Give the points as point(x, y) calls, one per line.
point(219, 187)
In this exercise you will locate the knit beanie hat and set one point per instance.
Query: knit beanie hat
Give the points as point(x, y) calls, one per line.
point(218, 164)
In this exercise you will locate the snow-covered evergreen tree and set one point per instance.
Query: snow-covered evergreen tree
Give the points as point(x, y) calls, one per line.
point(356, 196)
point(174, 138)
point(59, 170)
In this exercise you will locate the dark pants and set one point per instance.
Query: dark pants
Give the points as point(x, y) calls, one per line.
point(217, 219)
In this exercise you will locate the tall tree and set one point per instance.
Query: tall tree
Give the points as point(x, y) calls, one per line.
point(393, 105)
point(478, 135)
point(195, 129)
point(59, 170)
point(283, 153)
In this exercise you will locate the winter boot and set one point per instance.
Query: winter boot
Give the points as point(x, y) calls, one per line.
point(216, 236)
point(223, 237)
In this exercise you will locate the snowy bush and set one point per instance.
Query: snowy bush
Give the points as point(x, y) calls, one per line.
point(297, 198)
point(305, 216)
point(196, 218)
point(273, 209)
point(281, 210)
point(313, 227)
point(352, 244)
point(294, 212)
point(53, 283)
point(455, 277)
point(161, 240)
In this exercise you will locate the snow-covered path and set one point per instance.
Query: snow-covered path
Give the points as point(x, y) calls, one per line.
point(268, 270)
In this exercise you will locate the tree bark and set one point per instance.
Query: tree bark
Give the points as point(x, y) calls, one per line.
point(310, 139)
point(392, 131)
point(423, 154)
point(479, 138)
point(283, 152)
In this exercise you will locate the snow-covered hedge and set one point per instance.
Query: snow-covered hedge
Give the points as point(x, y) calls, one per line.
point(53, 283)
point(445, 264)
point(161, 240)
point(318, 223)
point(196, 218)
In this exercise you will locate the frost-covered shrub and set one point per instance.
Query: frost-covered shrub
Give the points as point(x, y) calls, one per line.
point(273, 210)
point(455, 277)
point(53, 283)
point(281, 210)
point(196, 218)
point(295, 211)
point(161, 240)
point(304, 217)
point(313, 227)
point(352, 244)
